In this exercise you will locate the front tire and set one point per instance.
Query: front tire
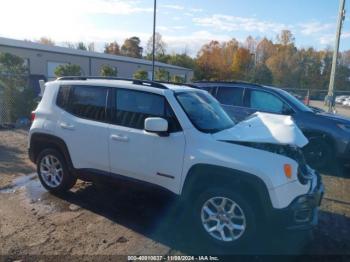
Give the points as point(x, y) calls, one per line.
point(53, 171)
point(223, 218)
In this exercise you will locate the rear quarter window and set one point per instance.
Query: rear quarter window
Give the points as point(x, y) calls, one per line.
point(63, 97)
point(88, 102)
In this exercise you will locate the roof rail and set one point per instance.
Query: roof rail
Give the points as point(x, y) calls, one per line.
point(174, 83)
point(226, 82)
point(134, 81)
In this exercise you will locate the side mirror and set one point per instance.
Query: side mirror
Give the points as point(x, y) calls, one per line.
point(157, 125)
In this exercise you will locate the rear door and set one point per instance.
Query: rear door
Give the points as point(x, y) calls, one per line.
point(83, 125)
point(231, 99)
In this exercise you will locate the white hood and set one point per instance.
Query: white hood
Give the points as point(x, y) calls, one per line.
point(265, 128)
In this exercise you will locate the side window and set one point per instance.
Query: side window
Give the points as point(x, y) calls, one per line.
point(232, 96)
point(209, 89)
point(63, 97)
point(89, 102)
point(133, 107)
point(174, 125)
point(264, 101)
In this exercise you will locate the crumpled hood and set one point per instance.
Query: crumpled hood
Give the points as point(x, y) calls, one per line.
point(265, 128)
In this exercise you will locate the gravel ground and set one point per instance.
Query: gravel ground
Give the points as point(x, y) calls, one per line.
point(126, 220)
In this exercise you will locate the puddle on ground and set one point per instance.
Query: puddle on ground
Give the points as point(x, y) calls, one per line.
point(30, 188)
point(30, 184)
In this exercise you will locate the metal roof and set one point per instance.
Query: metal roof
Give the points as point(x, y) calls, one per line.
point(70, 51)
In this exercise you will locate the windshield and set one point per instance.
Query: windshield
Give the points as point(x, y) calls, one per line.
point(204, 111)
point(300, 105)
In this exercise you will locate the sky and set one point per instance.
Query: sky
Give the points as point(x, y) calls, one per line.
point(184, 24)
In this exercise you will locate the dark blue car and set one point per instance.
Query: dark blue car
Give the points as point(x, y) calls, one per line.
point(328, 134)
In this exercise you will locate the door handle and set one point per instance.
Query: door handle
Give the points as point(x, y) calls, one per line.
point(120, 138)
point(66, 126)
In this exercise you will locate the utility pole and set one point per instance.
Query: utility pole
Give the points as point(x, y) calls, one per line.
point(154, 37)
point(341, 17)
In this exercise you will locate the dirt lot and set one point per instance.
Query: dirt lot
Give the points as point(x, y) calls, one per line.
point(120, 220)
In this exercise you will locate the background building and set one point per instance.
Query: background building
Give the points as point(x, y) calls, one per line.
point(42, 61)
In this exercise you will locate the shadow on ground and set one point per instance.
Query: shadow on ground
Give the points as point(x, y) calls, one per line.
point(152, 213)
point(11, 162)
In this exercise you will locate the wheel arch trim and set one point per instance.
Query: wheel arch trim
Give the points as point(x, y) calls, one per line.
point(37, 142)
point(233, 177)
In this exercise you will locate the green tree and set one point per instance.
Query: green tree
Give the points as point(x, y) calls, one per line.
point(107, 70)
point(141, 75)
point(132, 48)
point(177, 79)
point(68, 70)
point(18, 98)
point(342, 79)
point(81, 46)
point(182, 60)
point(261, 75)
point(162, 75)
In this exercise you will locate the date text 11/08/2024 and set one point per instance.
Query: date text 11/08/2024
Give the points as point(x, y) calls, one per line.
point(173, 258)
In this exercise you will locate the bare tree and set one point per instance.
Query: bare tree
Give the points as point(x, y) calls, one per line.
point(160, 45)
point(286, 37)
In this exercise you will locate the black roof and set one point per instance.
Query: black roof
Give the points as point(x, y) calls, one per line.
point(233, 84)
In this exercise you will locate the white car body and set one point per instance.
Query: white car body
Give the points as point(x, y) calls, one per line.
point(141, 155)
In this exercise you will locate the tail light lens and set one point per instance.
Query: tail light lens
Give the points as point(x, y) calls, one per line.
point(32, 116)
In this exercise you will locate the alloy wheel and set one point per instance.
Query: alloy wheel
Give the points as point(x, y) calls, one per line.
point(223, 219)
point(51, 171)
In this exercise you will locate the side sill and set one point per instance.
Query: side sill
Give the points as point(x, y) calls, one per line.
point(94, 175)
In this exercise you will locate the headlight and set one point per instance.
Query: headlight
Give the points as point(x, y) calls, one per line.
point(344, 127)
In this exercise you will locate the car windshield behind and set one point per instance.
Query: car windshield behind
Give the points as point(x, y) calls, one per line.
point(300, 105)
point(205, 112)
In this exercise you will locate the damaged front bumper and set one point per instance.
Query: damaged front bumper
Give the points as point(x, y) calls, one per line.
point(302, 213)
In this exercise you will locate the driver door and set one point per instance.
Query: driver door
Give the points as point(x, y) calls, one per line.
point(142, 155)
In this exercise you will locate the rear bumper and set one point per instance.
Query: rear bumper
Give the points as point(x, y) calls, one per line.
point(302, 213)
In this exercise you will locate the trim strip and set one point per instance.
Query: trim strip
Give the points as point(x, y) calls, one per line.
point(165, 175)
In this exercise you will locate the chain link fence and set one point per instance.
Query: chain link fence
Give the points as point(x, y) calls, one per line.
point(17, 100)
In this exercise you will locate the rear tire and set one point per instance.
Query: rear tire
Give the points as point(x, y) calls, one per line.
point(53, 171)
point(222, 218)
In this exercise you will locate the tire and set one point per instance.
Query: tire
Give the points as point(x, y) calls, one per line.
point(53, 171)
point(319, 154)
point(246, 219)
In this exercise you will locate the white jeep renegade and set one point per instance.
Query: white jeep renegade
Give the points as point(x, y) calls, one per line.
point(233, 177)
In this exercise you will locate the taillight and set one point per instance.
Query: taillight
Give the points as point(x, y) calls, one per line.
point(32, 116)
